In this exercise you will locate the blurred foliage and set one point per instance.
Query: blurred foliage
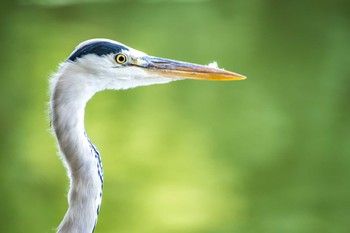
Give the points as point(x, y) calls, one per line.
point(269, 154)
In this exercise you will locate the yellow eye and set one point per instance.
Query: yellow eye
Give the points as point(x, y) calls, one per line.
point(120, 58)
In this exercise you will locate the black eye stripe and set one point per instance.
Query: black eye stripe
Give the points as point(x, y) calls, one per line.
point(99, 48)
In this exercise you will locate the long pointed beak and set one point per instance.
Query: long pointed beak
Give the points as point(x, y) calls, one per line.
point(177, 69)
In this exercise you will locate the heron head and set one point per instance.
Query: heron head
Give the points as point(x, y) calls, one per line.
point(111, 65)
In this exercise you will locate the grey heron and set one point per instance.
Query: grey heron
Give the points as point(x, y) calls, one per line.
point(93, 66)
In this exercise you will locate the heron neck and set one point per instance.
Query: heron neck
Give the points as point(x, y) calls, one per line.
point(81, 157)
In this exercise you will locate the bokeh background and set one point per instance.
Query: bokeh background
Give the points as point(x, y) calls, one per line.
point(268, 154)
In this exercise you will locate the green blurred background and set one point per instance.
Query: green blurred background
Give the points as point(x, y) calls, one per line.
point(269, 154)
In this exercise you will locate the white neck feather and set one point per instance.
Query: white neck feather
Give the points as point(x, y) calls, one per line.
point(69, 95)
